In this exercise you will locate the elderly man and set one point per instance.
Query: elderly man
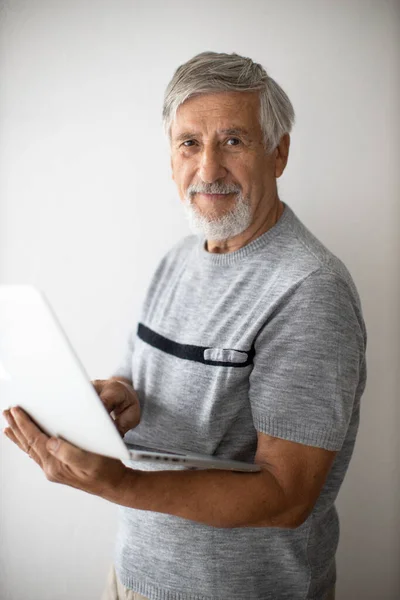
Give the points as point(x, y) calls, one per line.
point(251, 345)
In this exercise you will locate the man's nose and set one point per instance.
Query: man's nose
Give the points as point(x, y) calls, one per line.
point(211, 167)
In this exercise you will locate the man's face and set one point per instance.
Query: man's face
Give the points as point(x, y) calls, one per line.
point(217, 146)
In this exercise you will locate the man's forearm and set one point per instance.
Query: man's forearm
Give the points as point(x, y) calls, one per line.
point(217, 498)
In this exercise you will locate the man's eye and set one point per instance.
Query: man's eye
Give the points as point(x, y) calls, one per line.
point(235, 141)
point(188, 143)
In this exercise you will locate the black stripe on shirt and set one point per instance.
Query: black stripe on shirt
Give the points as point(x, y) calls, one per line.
point(187, 351)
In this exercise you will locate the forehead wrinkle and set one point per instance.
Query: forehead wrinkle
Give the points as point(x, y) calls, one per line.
point(216, 114)
point(227, 131)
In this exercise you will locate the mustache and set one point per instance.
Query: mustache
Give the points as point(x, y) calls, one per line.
point(213, 188)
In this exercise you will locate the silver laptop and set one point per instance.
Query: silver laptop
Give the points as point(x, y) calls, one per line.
point(40, 372)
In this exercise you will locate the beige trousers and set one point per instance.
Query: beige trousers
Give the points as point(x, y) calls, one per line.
point(116, 591)
point(331, 594)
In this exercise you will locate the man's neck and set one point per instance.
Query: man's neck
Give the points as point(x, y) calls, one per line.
point(257, 228)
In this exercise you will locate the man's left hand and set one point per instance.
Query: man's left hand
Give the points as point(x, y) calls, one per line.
point(63, 462)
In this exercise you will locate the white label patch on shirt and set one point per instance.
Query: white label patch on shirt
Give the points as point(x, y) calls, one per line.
point(222, 355)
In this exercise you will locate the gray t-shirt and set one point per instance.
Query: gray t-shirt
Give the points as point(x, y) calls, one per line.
point(268, 338)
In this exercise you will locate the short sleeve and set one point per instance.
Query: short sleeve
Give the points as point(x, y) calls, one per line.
point(124, 369)
point(308, 362)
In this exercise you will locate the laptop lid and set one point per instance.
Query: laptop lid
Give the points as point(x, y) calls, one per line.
point(40, 372)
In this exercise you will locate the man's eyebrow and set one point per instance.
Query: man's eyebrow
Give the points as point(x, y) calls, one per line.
point(186, 135)
point(235, 131)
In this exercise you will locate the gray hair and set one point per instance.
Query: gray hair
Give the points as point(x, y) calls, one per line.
point(212, 72)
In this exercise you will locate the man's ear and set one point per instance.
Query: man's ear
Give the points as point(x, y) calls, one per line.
point(172, 169)
point(282, 155)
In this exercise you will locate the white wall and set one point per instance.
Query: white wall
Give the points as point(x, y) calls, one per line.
point(87, 208)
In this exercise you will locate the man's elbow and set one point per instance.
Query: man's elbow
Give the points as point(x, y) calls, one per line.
point(297, 516)
point(289, 519)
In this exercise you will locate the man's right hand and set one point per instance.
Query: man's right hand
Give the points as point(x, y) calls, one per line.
point(121, 402)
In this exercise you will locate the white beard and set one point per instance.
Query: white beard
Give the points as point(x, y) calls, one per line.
point(226, 227)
